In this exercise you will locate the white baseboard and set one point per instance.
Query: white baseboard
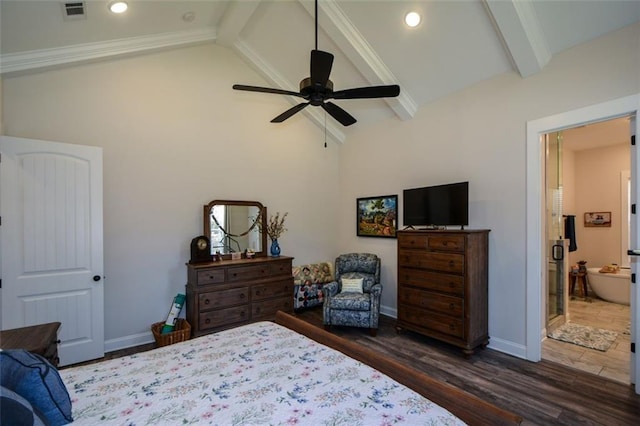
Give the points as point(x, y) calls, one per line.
point(128, 341)
point(390, 312)
point(508, 347)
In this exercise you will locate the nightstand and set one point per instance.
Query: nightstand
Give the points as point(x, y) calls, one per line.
point(39, 339)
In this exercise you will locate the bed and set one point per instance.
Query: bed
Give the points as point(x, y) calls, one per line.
point(287, 372)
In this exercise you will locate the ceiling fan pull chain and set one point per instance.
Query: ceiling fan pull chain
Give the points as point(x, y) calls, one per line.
point(325, 129)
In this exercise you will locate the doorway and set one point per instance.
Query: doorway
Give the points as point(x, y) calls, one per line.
point(587, 169)
point(535, 233)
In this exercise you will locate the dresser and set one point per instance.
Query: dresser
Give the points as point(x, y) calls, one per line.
point(39, 339)
point(228, 293)
point(443, 286)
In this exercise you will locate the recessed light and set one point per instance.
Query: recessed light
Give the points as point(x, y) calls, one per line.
point(118, 6)
point(412, 19)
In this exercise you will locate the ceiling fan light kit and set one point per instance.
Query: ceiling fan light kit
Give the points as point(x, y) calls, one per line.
point(317, 89)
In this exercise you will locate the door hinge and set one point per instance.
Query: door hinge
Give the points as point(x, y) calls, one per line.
point(633, 278)
point(633, 139)
point(633, 348)
point(633, 208)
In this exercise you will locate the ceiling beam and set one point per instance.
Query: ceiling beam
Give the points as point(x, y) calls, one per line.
point(518, 26)
point(347, 37)
point(43, 58)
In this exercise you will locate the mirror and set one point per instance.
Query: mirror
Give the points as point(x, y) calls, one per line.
point(232, 227)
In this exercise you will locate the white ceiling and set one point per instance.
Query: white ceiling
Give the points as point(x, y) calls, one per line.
point(459, 42)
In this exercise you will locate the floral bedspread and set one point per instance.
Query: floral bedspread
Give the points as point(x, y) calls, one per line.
point(258, 374)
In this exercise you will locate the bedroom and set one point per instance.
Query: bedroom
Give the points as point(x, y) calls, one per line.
point(173, 140)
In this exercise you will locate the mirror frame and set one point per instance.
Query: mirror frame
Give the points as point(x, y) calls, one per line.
point(263, 219)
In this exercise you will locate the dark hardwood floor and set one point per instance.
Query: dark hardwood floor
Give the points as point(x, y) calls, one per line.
point(543, 393)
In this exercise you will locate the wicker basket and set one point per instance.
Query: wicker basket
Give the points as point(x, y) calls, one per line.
point(181, 333)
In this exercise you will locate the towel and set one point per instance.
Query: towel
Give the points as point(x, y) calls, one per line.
point(570, 231)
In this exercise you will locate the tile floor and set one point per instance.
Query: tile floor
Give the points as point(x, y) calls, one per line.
point(614, 363)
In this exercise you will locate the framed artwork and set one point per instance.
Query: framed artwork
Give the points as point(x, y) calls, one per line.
point(377, 216)
point(597, 219)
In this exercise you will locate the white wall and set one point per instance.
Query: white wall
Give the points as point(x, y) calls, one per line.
point(176, 136)
point(597, 174)
point(479, 135)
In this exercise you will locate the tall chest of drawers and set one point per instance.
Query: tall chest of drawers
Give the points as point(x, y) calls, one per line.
point(443, 285)
point(233, 292)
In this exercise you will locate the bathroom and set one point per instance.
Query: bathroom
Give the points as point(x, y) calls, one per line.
point(588, 171)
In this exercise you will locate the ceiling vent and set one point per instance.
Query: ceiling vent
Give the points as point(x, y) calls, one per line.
point(74, 10)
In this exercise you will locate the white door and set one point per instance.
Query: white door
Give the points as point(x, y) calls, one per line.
point(634, 371)
point(51, 242)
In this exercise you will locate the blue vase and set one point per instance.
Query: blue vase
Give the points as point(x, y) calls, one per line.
point(275, 248)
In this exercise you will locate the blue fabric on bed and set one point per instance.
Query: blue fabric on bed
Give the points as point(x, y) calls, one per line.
point(36, 380)
point(17, 411)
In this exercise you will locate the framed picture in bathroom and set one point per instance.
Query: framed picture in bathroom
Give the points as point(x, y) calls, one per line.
point(597, 219)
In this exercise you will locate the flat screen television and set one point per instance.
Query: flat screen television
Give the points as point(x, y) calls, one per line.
point(435, 206)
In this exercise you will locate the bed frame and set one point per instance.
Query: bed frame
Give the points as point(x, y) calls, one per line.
point(467, 407)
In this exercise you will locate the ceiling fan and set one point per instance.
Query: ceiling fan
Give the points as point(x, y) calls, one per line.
point(318, 89)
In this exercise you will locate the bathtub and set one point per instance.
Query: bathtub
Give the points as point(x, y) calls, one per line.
point(614, 288)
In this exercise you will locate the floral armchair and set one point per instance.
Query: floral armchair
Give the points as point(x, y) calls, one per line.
point(354, 308)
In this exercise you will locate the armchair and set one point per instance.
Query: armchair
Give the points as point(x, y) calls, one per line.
point(355, 309)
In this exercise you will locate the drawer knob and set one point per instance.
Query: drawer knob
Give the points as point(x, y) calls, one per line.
point(451, 306)
point(452, 327)
point(241, 295)
point(257, 310)
point(451, 264)
point(452, 284)
point(257, 292)
point(207, 321)
point(242, 314)
point(206, 301)
point(445, 243)
point(210, 277)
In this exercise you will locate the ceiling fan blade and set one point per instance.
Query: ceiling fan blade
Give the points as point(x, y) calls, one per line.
point(321, 63)
point(339, 114)
point(288, 113)
point(267, 90)
point(368, 92)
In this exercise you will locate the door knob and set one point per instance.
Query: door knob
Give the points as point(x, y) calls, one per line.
point(96, 278)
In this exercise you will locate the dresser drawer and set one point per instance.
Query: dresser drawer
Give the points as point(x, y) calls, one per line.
point(434, 281)
point(446, 262)
point(210, 276)
point(446, 242)
point(248, 273)
point(223, 298)
point(448, 305)
point(413, 241)
point(445, 324)
point(281, 267)
point(221, 317)
point(273, 289)
point(267, 309)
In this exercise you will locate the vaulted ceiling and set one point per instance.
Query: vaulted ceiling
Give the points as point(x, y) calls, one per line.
point(458, 43)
